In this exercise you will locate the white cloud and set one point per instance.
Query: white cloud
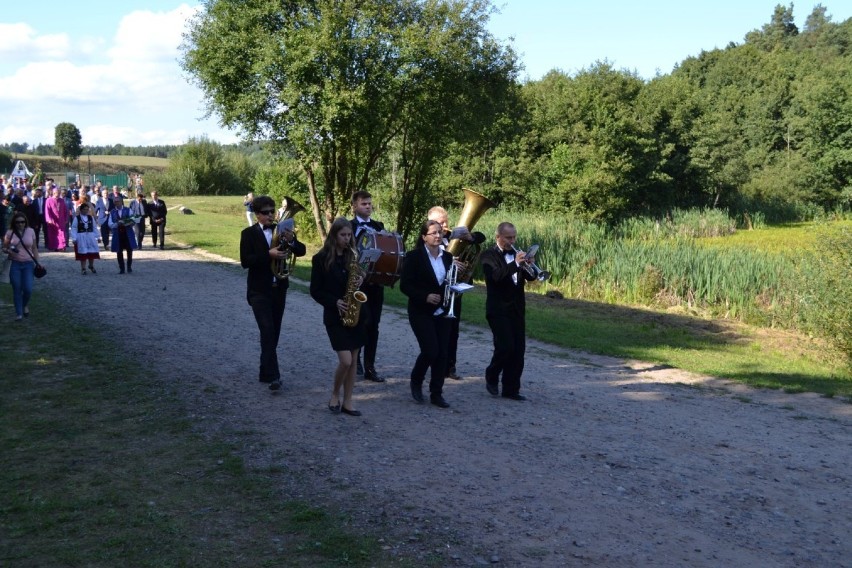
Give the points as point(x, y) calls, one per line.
point(129, 89)
point(21, 43)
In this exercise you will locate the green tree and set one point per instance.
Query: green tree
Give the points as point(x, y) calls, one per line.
point(333, 83)
point(68, 142)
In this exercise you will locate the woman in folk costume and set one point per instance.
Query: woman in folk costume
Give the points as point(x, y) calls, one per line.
point(56, 218)
point(85, 234)
point(121, 223)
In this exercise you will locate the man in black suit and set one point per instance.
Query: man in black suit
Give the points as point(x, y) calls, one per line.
point(266, 294)
point(40, 227)
point(157, 214)
point(505, 306)
point(362, 207)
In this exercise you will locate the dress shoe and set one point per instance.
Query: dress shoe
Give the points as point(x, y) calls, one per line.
point(451, 374)
point(345, 410)
point(371, 375)
point(492, 389)
point(129, 270)
point(275, 385)
point(92, 270)
point(515, 396)
point(439, 402)
point(417, 393)
point(121, 272)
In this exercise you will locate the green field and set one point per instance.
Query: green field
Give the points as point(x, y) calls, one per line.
point(53, 163)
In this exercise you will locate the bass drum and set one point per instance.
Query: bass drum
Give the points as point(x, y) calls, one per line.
point(388, 268)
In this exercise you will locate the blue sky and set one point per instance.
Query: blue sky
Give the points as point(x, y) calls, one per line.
point(113, 70)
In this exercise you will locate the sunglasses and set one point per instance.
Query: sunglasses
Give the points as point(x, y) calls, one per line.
point(267, 212)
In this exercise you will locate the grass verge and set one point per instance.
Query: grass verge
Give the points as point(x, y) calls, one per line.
point(102, 467)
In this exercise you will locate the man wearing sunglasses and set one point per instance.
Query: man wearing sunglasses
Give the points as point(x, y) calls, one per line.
point(266, 294)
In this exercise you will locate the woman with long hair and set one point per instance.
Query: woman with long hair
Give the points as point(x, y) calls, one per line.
point(424, 272)
point(330, 269)
point(19, 239)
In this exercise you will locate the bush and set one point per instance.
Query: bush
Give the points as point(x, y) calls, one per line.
point(826, 276)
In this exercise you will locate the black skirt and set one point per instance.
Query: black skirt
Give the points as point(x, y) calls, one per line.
point(347, 338)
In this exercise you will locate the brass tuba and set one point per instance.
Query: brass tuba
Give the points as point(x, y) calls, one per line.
point(282, 267)
point(475, 205)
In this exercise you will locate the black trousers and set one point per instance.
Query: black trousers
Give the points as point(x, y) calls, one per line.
point(375, 301)
point(158, 232)
point(105, 233)
point(433, 337)
point(509, 346)
point(41, 228)
point(268, 312)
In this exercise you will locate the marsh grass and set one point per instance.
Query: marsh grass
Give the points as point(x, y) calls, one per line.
point(103, 467)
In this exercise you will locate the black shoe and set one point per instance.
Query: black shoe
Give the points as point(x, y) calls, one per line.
point(129, 270)
point(417, 393)
point(515, 396)
point(275, 385)
point(371, 375)
point(335, 408)
point(121, 272)
point(492, 389)
point(345, 410)
point(161, 247)
point(92, 270)
point(439, 402)
point(453, 375)
point(360, 369)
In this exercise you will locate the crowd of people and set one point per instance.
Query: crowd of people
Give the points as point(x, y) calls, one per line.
point(351, 320)
point(78, 219)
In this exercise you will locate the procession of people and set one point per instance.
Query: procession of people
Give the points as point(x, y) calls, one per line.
point(352, 300)
point(342, 283)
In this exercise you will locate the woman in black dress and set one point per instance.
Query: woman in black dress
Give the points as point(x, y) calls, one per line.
point(329, 278)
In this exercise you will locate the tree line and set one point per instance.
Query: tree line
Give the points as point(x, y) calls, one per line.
point(414, 100)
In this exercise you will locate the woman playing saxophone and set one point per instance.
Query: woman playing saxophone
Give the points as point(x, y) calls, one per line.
point(331, 285)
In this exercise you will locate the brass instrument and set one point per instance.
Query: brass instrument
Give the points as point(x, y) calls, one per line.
point(449, 302)
point(531, 268)
point(467, 252)
point(282, 267)
point(354, 297)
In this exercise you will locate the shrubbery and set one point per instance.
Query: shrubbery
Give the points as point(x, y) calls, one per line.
point(826, 277)
point(203, 167)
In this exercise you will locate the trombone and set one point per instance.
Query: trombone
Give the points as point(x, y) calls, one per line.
point(530, 267)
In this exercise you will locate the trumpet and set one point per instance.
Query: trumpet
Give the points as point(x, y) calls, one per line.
point(451, 280)
point(530, 267)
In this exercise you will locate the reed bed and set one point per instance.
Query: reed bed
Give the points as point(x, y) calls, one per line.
point(658, 265)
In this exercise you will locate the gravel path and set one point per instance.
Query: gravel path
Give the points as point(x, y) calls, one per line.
point(609, 463)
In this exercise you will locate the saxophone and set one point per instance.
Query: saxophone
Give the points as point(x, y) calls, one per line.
point(354, 297)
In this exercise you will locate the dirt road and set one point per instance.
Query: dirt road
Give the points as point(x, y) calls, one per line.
point(609, 463)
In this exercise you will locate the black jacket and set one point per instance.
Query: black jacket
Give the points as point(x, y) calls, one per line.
point(418, 280)
point(503, 296)
point(254, 255)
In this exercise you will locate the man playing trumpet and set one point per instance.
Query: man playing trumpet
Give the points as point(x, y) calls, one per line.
point(505, 274)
